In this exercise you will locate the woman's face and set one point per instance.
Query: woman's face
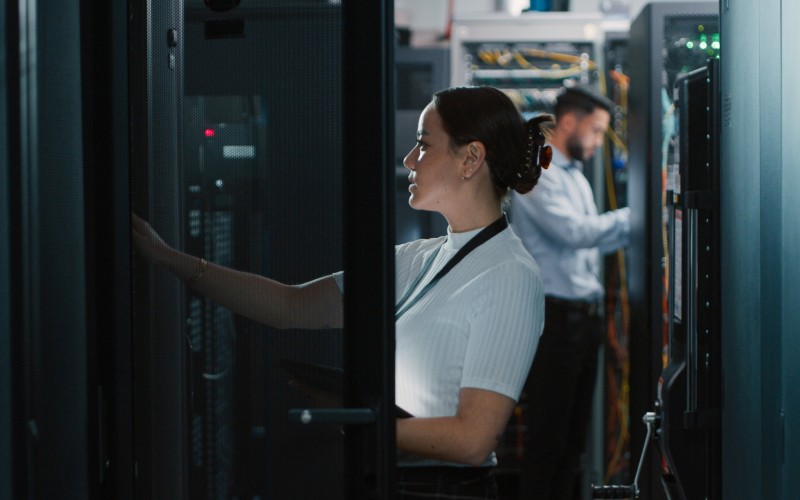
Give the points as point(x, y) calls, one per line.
point(435, 174)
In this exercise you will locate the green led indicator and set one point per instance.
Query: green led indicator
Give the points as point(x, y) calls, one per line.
point(690, 45)
point(715, 45)
point(703, 45)
point(700, 28)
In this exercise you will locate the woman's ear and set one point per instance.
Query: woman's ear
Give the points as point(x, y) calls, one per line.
point(476, 154)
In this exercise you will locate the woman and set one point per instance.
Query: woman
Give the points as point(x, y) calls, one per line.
point(470, 306)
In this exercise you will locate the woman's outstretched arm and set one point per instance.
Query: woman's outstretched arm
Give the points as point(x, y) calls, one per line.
point(312, 305)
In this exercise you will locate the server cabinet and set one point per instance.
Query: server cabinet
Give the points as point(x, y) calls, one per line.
point(689, 400)
point(48, 282)
point(263, 187)
point(6, 471)
point(64, 223)
point(684, 427)
point(157, 300)
point(667, 40)
point(612, 430)
point(271, 153)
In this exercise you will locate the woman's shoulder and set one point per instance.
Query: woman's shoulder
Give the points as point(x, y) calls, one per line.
point(517, 252)
point(505, 260)
point(508, 276)
point(418, 246)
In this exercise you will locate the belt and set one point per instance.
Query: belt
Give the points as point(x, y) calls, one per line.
point(589, 307)
point(446, 474)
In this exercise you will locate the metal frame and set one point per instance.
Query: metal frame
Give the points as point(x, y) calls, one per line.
point(645, 252)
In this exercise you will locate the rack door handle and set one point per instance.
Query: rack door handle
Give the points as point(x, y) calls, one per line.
point(691, 339)
point(348, 416)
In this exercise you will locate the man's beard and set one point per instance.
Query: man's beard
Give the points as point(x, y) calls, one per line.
point(575, 149)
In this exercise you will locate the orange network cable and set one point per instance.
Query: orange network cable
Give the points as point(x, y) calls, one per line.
point(619, 392)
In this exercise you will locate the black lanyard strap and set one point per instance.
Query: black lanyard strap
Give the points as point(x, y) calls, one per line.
point(482, 237)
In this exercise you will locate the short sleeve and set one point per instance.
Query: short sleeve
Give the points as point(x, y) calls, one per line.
point(339, 279)
point(504, 331)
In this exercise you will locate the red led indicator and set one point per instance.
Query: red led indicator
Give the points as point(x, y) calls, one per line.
point(210, 132)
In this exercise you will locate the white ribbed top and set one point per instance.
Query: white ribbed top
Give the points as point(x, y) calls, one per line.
point(477, 327)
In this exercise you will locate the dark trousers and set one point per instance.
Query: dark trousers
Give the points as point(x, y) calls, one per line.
point(464, 483)
point(559, 390)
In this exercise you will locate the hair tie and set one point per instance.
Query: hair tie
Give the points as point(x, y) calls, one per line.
point(537, 153)
point(529, 160)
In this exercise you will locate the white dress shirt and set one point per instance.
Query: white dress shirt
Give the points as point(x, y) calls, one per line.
point(559, 225)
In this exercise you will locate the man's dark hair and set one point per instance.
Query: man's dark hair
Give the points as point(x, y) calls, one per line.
point(581, 99)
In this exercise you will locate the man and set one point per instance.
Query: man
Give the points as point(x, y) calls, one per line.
point(559, 224)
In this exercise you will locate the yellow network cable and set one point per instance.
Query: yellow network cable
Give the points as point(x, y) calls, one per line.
point(503, 58)
point(616, 140)
point(522, 61)
point(557, 56)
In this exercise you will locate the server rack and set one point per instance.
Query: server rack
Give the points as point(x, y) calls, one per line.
point(531, 56)
point(690, 388)
point(614, 428)
point(667, 40)
point(224, 210)
point(262, 189)
point(243, 162)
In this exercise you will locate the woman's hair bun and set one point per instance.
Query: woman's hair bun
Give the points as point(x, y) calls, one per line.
point(537, 131)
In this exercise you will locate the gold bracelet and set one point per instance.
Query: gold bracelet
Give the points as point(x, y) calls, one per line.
point(201, 268)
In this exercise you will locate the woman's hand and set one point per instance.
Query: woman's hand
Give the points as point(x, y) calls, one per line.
point(313, 305)
point(147, 241)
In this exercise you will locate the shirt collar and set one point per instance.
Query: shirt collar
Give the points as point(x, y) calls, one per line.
point(457, 240)
point(561, 160)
